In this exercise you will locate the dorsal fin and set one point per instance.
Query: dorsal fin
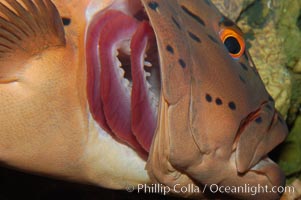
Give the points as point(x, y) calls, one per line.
point(27, 27)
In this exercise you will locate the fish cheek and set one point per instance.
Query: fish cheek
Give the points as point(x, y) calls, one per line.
point(174, 60)
point(173, 148)
point(182, 153)
point(213, 128)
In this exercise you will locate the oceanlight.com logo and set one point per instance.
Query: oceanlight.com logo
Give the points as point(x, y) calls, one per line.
point(249, 189)
point(211, 188)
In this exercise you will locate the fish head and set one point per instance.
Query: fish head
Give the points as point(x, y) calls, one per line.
point(217, 121)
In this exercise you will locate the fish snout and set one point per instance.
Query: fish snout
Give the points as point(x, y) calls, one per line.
point(245, 166)
point(258, 134)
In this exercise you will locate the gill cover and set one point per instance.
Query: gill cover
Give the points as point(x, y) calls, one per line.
point(217, 122)
point(41, 115)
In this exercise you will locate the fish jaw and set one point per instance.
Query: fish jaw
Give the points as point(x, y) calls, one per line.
point(170, 157)
point(107, 163)
point(266, 129)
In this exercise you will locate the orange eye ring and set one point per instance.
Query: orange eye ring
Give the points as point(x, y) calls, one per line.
point(233, 41)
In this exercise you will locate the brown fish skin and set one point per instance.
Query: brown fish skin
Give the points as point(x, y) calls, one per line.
point(214, 128)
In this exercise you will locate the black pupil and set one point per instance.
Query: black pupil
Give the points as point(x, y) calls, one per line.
point(232, 45)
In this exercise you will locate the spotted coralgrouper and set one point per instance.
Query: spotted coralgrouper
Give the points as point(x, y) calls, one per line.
point(128, 92)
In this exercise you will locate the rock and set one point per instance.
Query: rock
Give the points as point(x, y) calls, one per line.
point(273, 35)
point(272, 32)
point(233, 8)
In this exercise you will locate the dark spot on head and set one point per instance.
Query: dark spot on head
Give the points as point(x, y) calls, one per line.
point(170, 49)
point(226, 22)
point(232, 105)
point(232, 45)
point(176, 23)
point(271, 98)
point(208, 2)
point(208, 98)
point(242, 79)
point(66, 21)
point(194, 16)
point(213, 39)
point(280, 119)
point(246, 56)
point(182, 63)
point(194, 37)
point(255, 71)
point(243, 66)
point(218, 101)
point(153, 5)
point(268, 106)
point(258, 120)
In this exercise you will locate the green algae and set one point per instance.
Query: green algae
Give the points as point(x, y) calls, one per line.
point(290, 157)
point(288, 25)
point(295, 99)
point(273, 37)
point(288, 17)
point(259, 23)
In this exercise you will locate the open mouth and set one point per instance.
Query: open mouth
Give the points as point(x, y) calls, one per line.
point(124, 73)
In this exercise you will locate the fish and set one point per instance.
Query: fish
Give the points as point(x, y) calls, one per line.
point(119, 93)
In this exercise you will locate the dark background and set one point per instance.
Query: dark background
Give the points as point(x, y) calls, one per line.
point(18, 185)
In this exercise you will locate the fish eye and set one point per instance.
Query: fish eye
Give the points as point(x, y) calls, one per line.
point(233, 41)
point(66, 21)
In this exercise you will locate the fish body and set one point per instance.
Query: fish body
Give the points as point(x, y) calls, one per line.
point(117, 93)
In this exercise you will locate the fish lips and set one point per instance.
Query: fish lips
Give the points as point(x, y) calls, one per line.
point(271, 170)
point(261, 132)
point(265, 180)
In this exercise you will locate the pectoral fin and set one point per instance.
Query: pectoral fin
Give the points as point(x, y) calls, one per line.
point(26, 29)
